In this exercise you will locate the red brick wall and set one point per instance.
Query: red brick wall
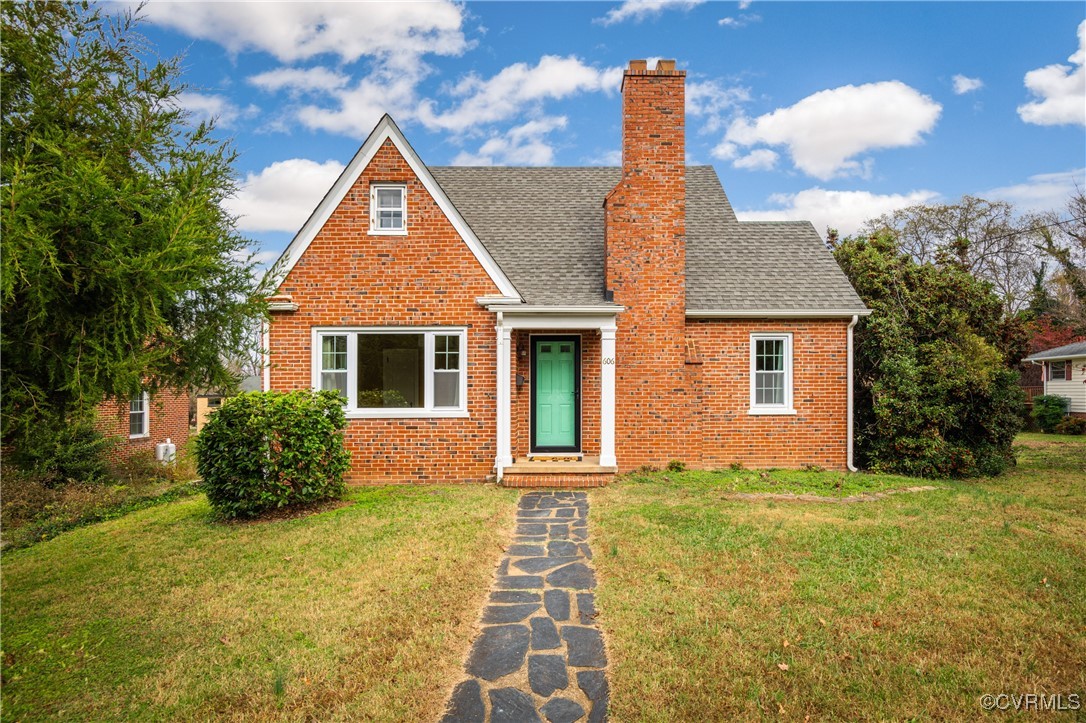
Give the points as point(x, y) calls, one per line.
point(590, 391)
point(645, 268)
point(816, 434)
point(169, 418)
point(427, 278)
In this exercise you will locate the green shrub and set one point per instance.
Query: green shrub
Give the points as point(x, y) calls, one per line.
point(265, 450)
point(1049, 410)
point(676, 466)
point(1071, 425)
point(60, 453)
point(935, 394)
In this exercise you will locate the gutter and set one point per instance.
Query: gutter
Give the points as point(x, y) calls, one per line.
point(849, 462)
point(777, 314)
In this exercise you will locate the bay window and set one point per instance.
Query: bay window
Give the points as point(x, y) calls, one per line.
point(394, 372)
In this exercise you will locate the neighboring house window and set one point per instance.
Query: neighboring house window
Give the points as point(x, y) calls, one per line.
point(1057, 370)
point(139, 417)
point(771, 374)
point(399, 372)
point(388, 209)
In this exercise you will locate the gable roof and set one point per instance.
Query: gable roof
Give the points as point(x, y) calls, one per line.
point(544, 227)
point(387, 130)
point(1061, 352)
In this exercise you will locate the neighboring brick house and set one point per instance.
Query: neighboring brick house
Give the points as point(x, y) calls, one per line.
point(552, 326)
point(1063, 373)
point(141, 423)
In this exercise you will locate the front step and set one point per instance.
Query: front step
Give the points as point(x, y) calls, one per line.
point(544, 473)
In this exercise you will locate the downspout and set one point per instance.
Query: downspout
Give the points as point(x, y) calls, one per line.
point(499, 467)
point(851, 325)
point(265, 355)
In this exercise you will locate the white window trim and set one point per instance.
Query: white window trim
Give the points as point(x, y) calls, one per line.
point(768, 409)
point(429, 332)
point(146, 418)
point(1052, 370)
point(374, 230)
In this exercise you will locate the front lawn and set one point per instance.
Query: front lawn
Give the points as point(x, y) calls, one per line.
point(909, 607)
point(359, 612)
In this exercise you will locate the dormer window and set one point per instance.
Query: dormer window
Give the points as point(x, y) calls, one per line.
point(388, 209)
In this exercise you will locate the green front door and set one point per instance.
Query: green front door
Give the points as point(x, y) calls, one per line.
point(555, 386)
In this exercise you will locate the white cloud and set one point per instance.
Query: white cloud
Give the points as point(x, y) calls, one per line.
point(964, 84)
point(712, 101)
point(744, 4)
point(358, 108)
point(208, 106)
point(608, 158)
point(638, 10)
point(515, 88)
point(401, 32)
point(725, 151)
point(281, 196)
point(739, 22)
point(762, 159)
point(825, 131)
point(845, 211)
point(522, 145)
point(1042, 192)
point(300, 80)
point(1061, 89)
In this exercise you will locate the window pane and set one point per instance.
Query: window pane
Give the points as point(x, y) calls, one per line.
point(391, 368)
point(336, 381)
point(389, 198)
point(389, 219)
point(769, 355)
point(769, 388)
point(446, 352)
point(137, 417)
point(334, 353)
point(446, 389)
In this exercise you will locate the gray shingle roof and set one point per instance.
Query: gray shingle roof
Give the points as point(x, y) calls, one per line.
point(544, 227)
point(1061, 352)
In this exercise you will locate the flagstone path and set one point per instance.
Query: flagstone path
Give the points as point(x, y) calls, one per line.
point(540, 656)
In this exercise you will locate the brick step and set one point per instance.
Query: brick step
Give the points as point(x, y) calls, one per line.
point(564, 480)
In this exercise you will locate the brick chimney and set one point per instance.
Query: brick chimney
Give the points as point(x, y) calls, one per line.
point(645, 264)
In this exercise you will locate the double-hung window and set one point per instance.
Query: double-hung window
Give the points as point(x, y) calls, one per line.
point(139, 416)
point(388, 209)
point(394, 372)
point(1057, 371)
point(771, 374)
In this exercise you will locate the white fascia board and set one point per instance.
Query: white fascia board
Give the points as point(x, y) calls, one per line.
point(386, 129)
point(511, 310)
point(1054, 358)
point(779, 314)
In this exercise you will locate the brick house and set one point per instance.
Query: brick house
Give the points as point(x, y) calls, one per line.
point(553, 326)
point(141, 423)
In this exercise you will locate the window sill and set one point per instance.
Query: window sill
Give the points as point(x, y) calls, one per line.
point(400, 232)
point(766, 411)
point(408, 414)
point(139, 436)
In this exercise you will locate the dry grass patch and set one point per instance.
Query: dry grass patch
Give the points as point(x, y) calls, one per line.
point(909, 607)
point(360, 612)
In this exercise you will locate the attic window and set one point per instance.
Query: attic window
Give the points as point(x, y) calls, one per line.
point(388, 209)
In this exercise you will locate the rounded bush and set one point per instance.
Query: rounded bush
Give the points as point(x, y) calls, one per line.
point(265, 450)
point(1048, 410)
point(1071, 425)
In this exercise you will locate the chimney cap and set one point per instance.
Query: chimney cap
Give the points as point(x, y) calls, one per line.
point(665, 64)
point(639, 65)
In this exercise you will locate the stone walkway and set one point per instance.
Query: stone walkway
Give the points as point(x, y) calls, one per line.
point(540, 655)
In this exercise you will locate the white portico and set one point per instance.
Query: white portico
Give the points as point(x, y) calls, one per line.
point(578, 320)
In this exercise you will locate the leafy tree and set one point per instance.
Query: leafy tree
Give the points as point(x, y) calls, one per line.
point(120, 268)
point(1064, 239)
point(934, 394)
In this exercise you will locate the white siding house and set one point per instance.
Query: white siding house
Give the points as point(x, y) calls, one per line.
point(1065, 374)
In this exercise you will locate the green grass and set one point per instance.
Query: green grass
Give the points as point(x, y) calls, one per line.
point(774, 481)
point(909, 607)
point(357, 612)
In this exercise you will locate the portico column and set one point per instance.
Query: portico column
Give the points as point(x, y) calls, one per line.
point(504, 451)
point(607, 396)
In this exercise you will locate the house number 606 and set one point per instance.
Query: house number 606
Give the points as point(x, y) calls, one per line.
point(609, 360)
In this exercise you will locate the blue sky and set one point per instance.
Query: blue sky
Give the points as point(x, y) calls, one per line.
point(833, 112)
